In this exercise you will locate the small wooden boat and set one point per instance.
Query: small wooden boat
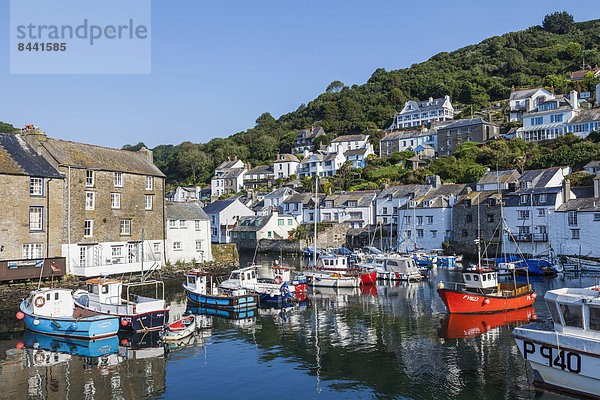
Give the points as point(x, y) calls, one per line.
point(481, 293)
point(200, 289)
point(179, 329)
point(53, 311)
point(137, 313)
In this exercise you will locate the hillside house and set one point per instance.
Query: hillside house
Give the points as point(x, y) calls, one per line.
point(477, 130)
point(321, 164)
point(285, 165)
point(549, 119)
point(417, 113)
point(524, 100)
point(188, 233)
point(305, 139)
point(224, 215)
point(228, 178)
point(355, 208)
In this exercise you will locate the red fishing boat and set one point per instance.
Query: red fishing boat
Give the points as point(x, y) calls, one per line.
point(368, 278)
point(480, 293)
point(456, 326)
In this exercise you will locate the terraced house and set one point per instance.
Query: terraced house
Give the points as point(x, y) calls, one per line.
point(31, 204)
point(113, 206)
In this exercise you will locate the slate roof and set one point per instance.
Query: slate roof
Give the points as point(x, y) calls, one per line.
point(17, 157)
point(304, 198)
point(581, 205)
point(405, 135)
point(219, 205)
point(591, 115)
point(363, 199)
point(230, 174)
point(478, 197)
point(404, 190)
point(350, 138)
point(427, 104)
point(310, 133)
point(355, 152)
point(583, 191)
point(186, 211)
point(81, 155)
point(491, 177)
point(592, 164)
point(287, 158)
point(466, 122)
point(280, 192)
point(439, 197)
point(538, 177)
point(261, 169)
point(251, 223)
point(523, 93)
point(227, 164)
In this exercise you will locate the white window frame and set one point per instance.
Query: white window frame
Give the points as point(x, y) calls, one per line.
point(172, 223)
point(198, 245)
point(149, 201)
point(89, 178)
point(36, 186)
point(33, 251)
point(575, 234)
point(116, 251)
point(115, 200)
point(177, 246)
point(182, 223)
point(36, 218)
point(125, 227)
point(156, 247)
point(117, 179)
point(149, 183)
point(197, 225)
point(88, 228)
point(90, 200)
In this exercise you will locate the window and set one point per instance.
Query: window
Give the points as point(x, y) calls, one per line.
point(467, 277)
point(156, 247)
point(125, 227)
point(572, 315)
point(420, 233)
point(115, 200)
point(524, 197)
point(198, 245)
point(407, 219)
point(36, 217)
point(88, 228)
point(556, 118)
point(408, 234)
point(595, 318)
point(419, 220)
point(430, 220)
point(269, 234)
point(176, 246)
point(574, 233)
point(149, 183)
point(356, 215)
point(36, 186)
point(89, 178)
point(572, 218)
point(311, 216)
point(118, 179)
point(523, 214)
point(83, 260)
point(469, 218)
point(182, 223)
point(197, 225)
point(148, 201)
point(352, 203)
point(490, 218)
point(384, 211)
point(433, 234)
point(32, 250)
point(290, 222)
point(542, 198)
point(171, 223)
point(596, 216)
point(541, 212)
point(537, 121)
point(90, 200)
point(329, 204)
point(116, 251)
point(281, 221)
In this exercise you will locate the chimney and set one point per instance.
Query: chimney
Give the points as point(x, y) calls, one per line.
point(573, 98)
point(147, 153)
point(597, 186)
point(431, 100)
point(566, 189)
point(490, 117)
point(552, 90)
point(528, 105)
point(33, 136)
point(512, 89)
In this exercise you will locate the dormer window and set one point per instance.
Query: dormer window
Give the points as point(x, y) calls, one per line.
point(525, 184)
point(352, 203)
point(524, 198)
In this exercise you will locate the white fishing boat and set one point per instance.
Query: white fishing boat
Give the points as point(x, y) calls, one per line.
point(393, 267)
point(564, 352)
point(332, 280)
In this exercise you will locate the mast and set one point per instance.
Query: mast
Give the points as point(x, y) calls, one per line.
point(502, 245)
point(532, 225)
point(316, 213)
point(142, 255)
point(415, 222)
point(478, 234)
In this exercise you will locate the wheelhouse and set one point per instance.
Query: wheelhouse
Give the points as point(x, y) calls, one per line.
point(575, 309)
point(481, 279)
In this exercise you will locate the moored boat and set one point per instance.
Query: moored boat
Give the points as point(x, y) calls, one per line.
point(200, 289)
point(53, 311)
point(564, 352)
point(332, 280)
point(480, 292)
point(137, 313)
point(179, 329)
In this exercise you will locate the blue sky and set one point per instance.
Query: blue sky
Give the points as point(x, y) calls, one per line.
point(216, 66)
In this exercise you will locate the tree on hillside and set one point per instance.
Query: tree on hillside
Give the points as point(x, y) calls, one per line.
point(136, 147)
point(191, 159)
point(559, 22)
point(7, 128)
point(574, 51)
point(335, 87)
point(265, 121)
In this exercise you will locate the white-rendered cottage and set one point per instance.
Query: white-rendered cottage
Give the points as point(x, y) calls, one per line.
point(524, 100)
point(355, 208)
point(389, 201)
point(188, 233)
point(301, 206)
point(497, 180)
point(343, 143)
point(228, 178)
point(550, 119)
point(276, 198)
point(285, 165)
point(224, 215)
point(417, 113)
point(407, 140)
point(321, 164)
point(250, 230)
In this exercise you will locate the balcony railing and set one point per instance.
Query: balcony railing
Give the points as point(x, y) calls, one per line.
point(526, 237)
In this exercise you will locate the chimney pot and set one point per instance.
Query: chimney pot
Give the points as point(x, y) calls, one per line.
point(573, 98)
point(566, 190)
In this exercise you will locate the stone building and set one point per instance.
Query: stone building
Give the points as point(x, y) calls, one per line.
point(113, 207)
point(31, 204)
point(477, 130)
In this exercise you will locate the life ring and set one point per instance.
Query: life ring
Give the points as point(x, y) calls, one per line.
point(40, 301)
point(278, 279)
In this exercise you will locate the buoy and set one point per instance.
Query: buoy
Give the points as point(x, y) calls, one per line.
point(36, 321)
point(486, 301)
point(124, 342)
point(20, 345)
point(440, 285)
point(73, 326)
point(124, 322)
point(20, 315)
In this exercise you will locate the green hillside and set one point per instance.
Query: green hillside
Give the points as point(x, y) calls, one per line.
point(473, 76)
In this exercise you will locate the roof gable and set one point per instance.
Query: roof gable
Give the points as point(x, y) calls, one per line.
point(17, 157)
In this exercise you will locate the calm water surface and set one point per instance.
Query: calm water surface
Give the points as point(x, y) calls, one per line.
point(380, 342)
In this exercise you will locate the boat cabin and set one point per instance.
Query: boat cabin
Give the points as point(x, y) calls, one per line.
point(51, 302)
point(201, 282)
point(480, 278)
point(108, 291)
point(332, 262)
point(243, 275)
point(106, 295)
point(575, 310)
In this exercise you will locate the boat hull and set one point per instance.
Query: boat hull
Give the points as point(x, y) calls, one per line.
point(96, 327)
point(220, 312)
point(465, 302)
point(369, 278)
point(564, 368)
point(396, 276)
point(145, 322)
point(81, 347)
point(234, 303)
point(455, 326)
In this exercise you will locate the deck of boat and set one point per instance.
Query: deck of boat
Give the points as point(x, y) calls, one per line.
point(79, 313)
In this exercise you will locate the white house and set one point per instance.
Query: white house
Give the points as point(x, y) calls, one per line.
point(358, 157)
point(304, 140)
point(355, 208)
point(228, 178)
point(524, 100)
point(285, 165)
point(389, 201)
point(426, 221)
point(301, 206)
point(321, 164)
point(417, 113)
point(182, 194)
point(585, 122)
point(343, 143)
point(250, 230)
point(497, 180)
point(276, 198)
point(188, 233)
point(407, 140)
point(223, 215)
point(549, 119)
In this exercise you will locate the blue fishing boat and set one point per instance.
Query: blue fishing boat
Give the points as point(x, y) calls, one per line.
point(531, 266)
point(200, 289)
point(80, 347)
point(220, 312)
point(53, 311)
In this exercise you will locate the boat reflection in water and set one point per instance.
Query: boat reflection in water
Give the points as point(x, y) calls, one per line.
point(456, 326)
point(46, 350)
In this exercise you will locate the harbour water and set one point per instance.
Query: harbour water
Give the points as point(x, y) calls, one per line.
point(385, 341)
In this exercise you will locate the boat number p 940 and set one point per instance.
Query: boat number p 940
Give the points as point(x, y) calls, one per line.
point(556, 358)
